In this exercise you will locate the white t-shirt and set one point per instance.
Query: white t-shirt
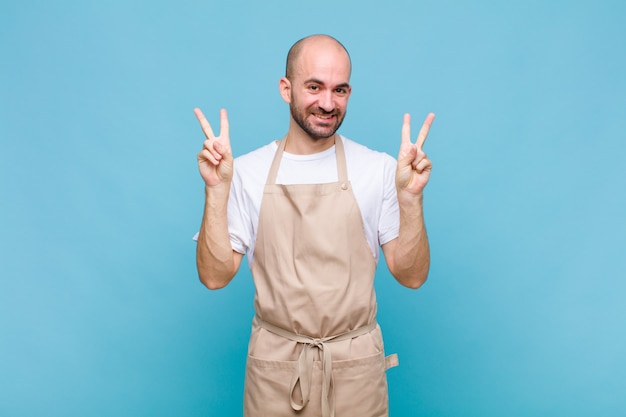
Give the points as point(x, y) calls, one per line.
point(371, 174)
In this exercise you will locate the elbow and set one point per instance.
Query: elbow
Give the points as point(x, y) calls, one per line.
point(413, 279)
point(415, 282)
point(211, 283)
point(409, 267)
point(212, 279)
point(215, 274)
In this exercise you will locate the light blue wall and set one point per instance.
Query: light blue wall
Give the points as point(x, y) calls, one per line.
point(101, 311)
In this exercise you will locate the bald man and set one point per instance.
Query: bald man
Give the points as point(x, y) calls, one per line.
point(311, 211)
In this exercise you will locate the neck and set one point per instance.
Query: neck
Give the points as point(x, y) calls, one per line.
point(299, 142)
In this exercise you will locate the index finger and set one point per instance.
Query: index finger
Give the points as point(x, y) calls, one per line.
point(204, 123)
point(421, 137)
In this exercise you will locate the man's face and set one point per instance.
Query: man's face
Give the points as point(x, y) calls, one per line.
point(320, 91)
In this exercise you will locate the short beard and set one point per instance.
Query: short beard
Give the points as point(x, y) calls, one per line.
point(308, 128)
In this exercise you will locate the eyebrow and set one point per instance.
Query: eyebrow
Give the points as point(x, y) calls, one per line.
point(316, 81)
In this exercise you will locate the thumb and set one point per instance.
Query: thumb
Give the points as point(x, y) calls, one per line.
point(224, 151)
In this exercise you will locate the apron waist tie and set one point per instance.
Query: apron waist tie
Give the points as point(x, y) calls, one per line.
point(304, 368)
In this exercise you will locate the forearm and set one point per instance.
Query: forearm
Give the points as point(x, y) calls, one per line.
point(411, 257)
point(215, 257)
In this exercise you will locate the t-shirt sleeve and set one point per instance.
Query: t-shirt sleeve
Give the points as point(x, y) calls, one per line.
point(389, 224)
point(238, 220)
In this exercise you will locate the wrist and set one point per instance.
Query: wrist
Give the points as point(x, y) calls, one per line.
point(217, 194)
point(409, 199)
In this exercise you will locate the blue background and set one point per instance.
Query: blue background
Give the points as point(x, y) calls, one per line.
point(101, 311)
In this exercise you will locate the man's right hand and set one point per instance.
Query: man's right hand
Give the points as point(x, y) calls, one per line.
point(215, 160)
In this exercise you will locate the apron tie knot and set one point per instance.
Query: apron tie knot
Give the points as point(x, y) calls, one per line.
point(303, 374)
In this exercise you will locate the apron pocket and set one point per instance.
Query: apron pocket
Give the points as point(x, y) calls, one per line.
point(267, 389)
point(360, 387)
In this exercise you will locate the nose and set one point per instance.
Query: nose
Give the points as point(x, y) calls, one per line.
point(326, 101)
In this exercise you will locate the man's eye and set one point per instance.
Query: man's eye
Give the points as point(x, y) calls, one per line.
point(314, 87)
point(341, 90)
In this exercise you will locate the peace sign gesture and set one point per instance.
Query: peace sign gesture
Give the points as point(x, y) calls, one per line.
point(413, 166)
point(215, 160)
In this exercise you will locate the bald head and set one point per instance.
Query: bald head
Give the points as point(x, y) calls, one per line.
point(311, 44)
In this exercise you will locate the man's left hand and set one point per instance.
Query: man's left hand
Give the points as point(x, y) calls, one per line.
point(413, 166)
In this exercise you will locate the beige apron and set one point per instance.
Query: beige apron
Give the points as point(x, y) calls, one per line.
point(315, 349)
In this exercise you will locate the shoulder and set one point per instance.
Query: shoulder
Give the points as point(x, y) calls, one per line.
point(256, 161)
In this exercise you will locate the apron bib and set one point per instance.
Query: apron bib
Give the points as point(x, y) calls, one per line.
point(315, 348)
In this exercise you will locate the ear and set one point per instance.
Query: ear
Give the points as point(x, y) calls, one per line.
point(284, 86)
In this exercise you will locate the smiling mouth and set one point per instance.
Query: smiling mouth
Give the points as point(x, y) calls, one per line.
point(324, 116)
